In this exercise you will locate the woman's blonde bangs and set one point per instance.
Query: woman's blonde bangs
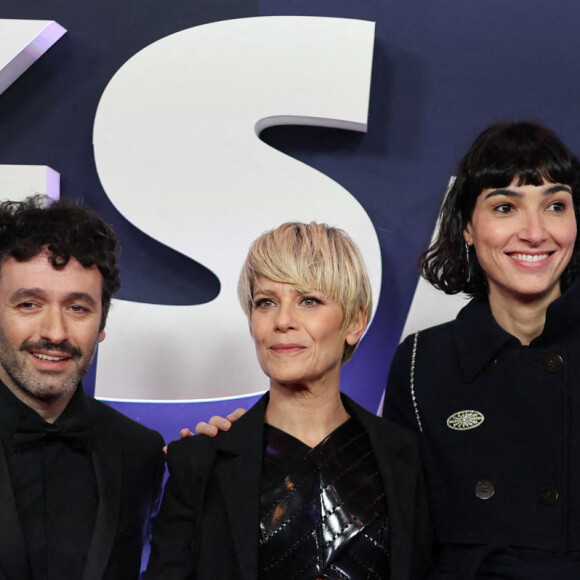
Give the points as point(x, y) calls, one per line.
point(310, 257)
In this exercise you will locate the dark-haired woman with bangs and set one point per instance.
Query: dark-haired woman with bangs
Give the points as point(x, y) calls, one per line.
point(496, 392)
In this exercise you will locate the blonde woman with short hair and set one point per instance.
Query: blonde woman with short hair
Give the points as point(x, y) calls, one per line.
point(307, 484)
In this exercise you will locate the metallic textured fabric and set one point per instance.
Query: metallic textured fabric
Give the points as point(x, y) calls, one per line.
point(323, 512)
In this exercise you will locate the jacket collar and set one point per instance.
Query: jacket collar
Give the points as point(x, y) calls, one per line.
point(479, 338)
point(398, 466)
point(240, 478)
point(243, 438)
point(107, 462)
point(561, 315)
point(13, 553)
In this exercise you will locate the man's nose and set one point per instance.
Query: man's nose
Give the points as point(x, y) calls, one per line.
point(53, 326)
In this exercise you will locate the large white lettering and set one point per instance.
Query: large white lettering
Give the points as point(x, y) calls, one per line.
point(22, 42)
point(19, 181)
point(177, 151)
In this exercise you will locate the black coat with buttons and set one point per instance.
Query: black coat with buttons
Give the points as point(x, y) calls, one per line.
point(500, 429)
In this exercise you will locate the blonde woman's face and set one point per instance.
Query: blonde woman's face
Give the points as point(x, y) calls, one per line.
point(298, 336)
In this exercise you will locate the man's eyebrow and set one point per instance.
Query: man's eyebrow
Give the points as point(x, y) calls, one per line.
point(512, 193)
point(84, 296)
point(25, 293)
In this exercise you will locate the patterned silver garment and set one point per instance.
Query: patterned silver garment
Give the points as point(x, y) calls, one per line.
point(323, 511)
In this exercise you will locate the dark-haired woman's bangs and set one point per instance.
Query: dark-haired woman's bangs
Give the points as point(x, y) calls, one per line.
point(547, 166)
point(494, 176)
point(529, 169)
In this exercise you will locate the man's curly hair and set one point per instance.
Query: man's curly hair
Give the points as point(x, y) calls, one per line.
point(68, 231)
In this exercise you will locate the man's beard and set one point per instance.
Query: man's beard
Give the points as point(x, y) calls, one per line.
point(43, 385)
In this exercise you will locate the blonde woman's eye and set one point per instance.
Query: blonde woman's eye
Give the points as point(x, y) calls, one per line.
point(311, 301)
point(263, 303)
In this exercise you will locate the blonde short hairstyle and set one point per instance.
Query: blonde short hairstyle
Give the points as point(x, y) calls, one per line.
point(311, 257)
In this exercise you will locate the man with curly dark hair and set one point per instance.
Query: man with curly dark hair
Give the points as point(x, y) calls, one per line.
point(78, 480)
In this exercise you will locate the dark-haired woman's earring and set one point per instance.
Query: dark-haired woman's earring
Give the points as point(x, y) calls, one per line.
point(467, 246)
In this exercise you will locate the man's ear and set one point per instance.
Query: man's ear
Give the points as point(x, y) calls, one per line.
point(101, 336)
point(357, 327)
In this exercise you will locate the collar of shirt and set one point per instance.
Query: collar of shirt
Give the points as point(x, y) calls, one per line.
point(77, 416)
point(479, 338)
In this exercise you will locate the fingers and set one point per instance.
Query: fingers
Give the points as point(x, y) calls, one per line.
point(235, 415)
point(184, 433)
point(215, 424)
point(221, 423)
point(204, 428)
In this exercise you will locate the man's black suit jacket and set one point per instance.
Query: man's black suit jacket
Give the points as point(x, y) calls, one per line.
point(208, 523)
point(128, 461)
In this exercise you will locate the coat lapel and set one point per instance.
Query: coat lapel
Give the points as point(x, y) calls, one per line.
point(399, 483)
point(108, 472)
point(398, 475)
point(13, 554)
point(240, 476)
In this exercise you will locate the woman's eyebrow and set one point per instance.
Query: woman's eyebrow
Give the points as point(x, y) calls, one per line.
point(513, 193)
point(504, 192)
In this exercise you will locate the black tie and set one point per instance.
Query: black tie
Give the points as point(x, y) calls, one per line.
point(30, 432)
